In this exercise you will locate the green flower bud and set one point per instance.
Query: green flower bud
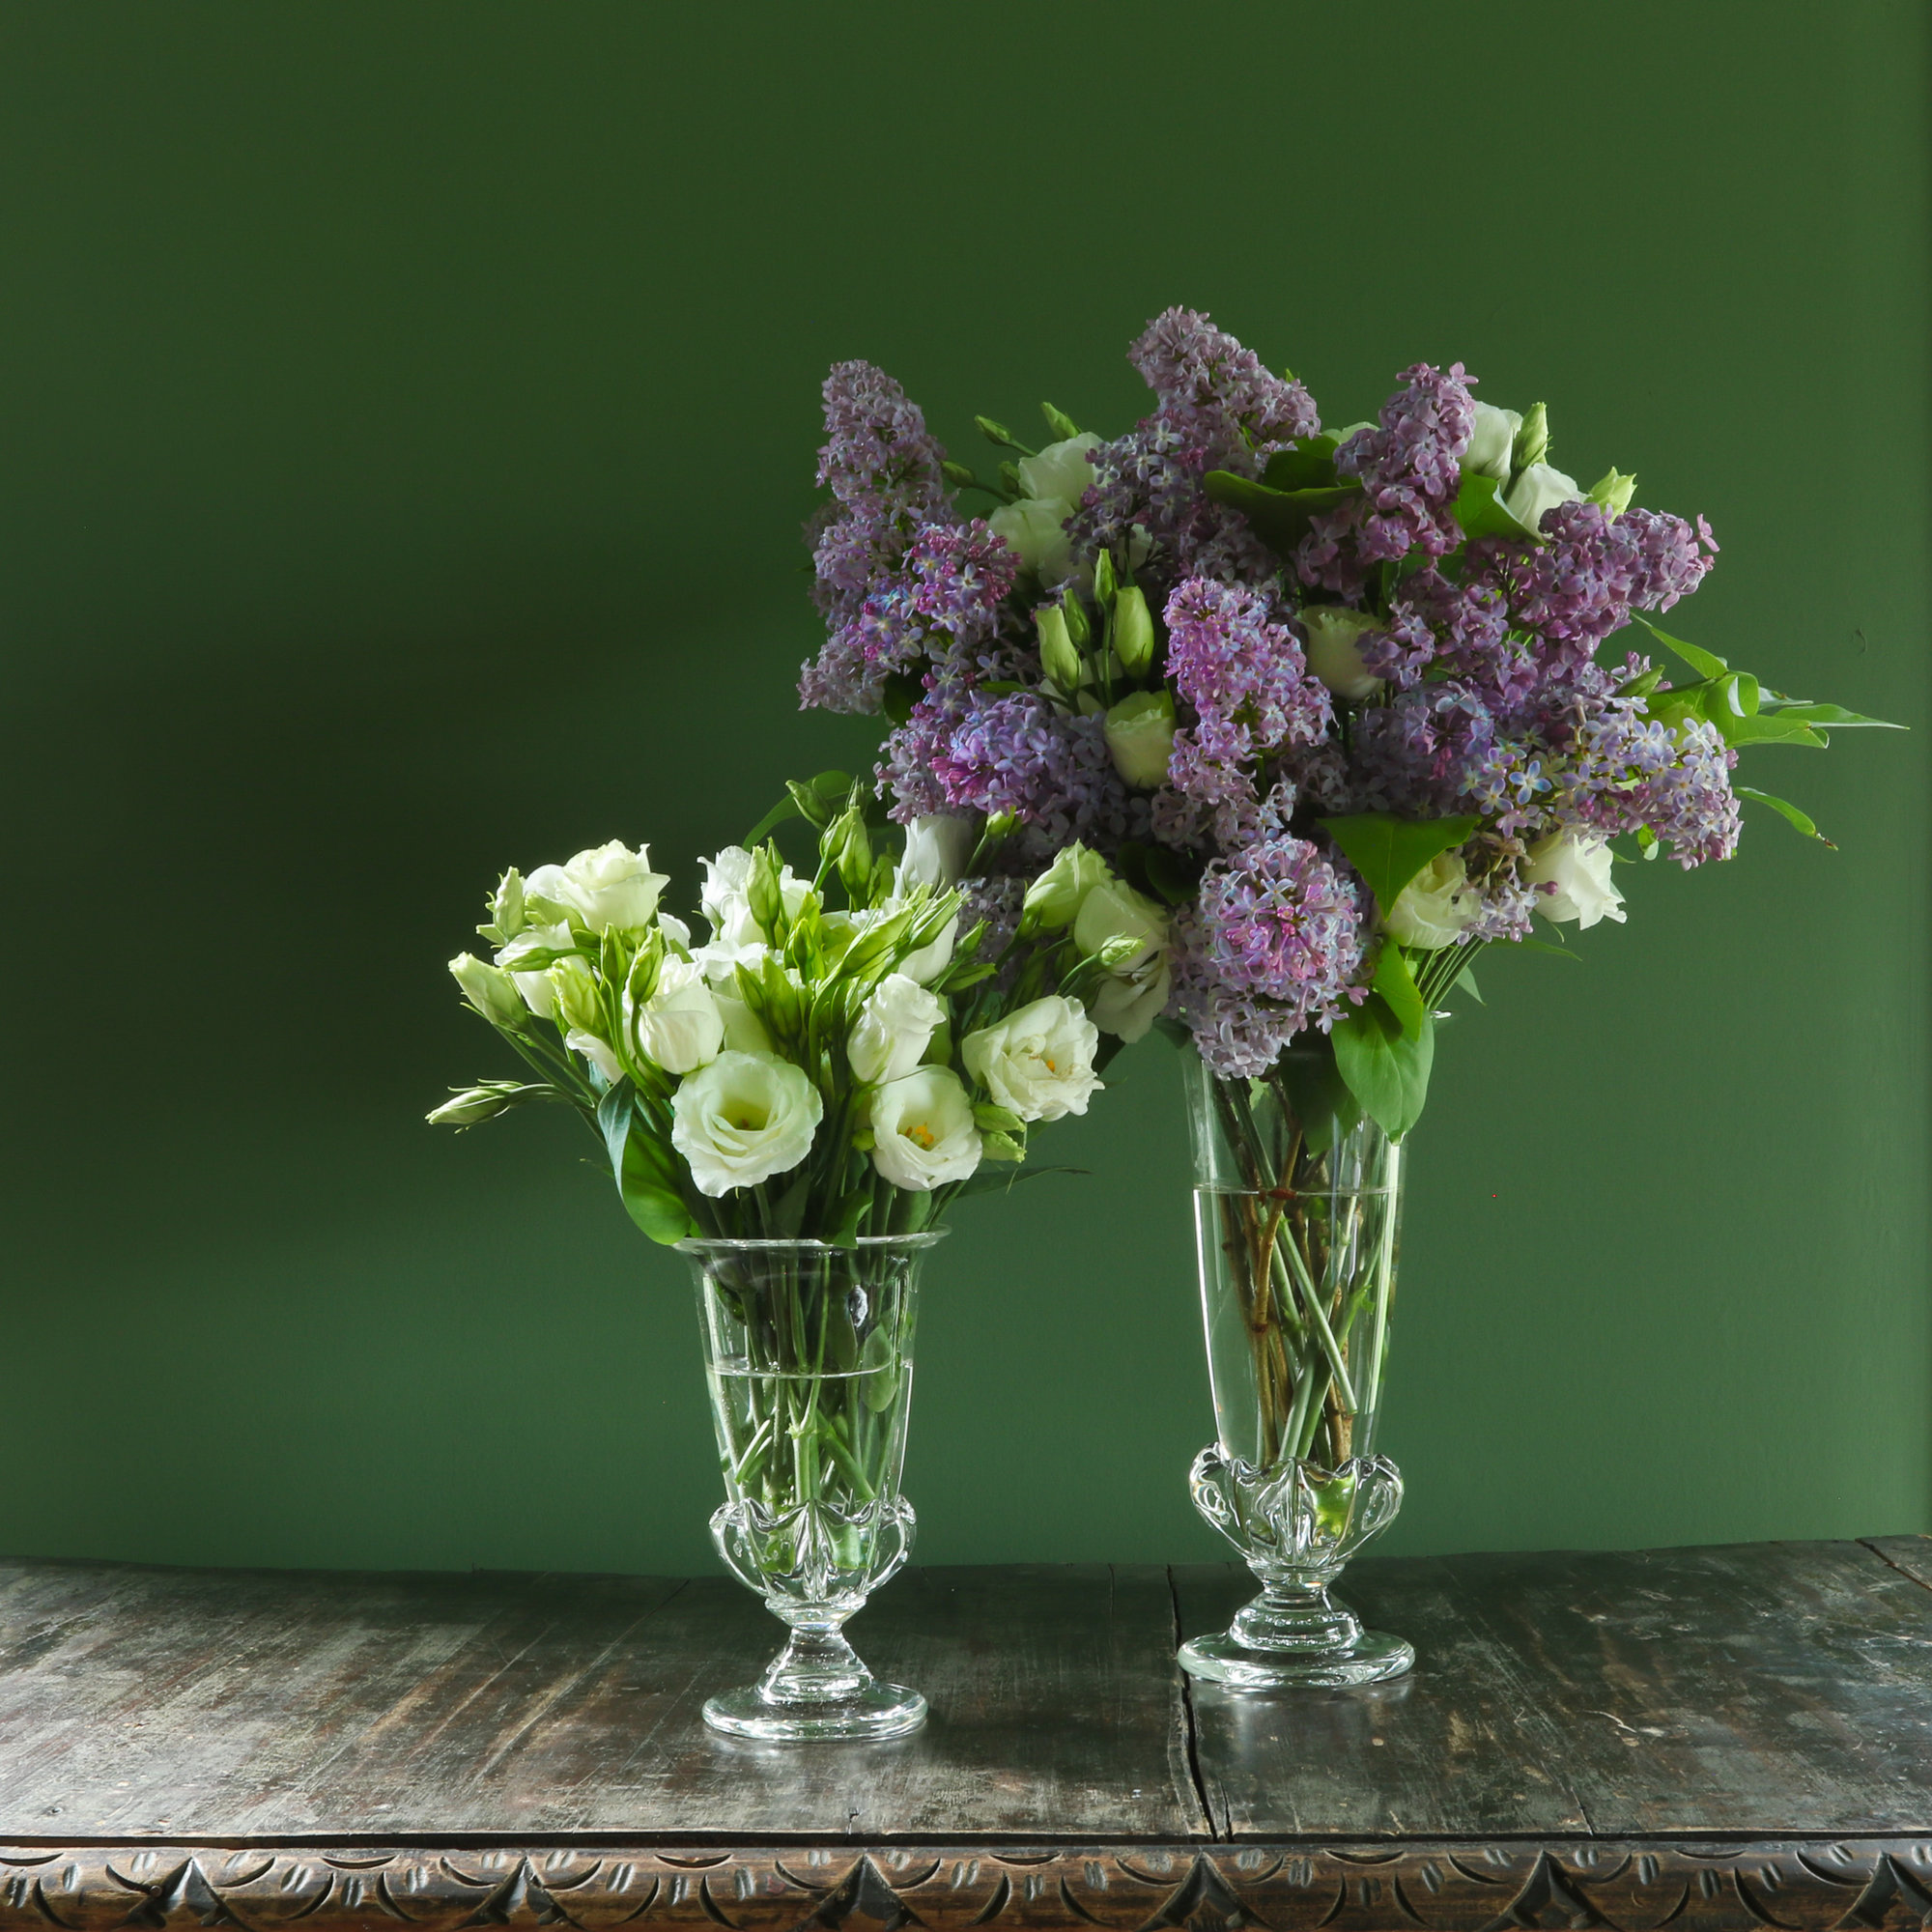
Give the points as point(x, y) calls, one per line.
point(1054, 899)
point(1105, 585)
point(1532, 440)
point(1133, 629)
point(1078, 630)
point(1057, 656)
point(850, 850)
point(1140, 737)
point(1001, 1147)
point(1059, 422)
point(580, 1002)
point(957, 474)
point(1613, 491)
point(506, 907)
point(473, 1105)
point(490, 991)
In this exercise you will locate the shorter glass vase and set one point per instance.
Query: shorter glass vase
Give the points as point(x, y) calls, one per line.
point(1297, 1205)
point(808, 1355)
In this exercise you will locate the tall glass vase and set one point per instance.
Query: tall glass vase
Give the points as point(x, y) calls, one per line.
point(809, 1353)
point(1298, 1204)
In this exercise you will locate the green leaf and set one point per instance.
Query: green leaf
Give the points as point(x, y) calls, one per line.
point(1396, 983)
point(898, 694)
point(1543, 946)
point(1801, 820)
point(641, 1169)
point(1776, 727)
point(1834, 715)
point(986, 1182)
point(1280, 518)
point(1387, 1070)
point(1480, 510)
point(1321, 1097)
point(1389, 851)
point(1706, 664)
point(1466, 979)
point(1172, 876)
point(1309, 464)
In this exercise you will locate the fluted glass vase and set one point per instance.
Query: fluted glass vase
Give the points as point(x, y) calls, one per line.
point(1298, 1204)
point(809, 1353)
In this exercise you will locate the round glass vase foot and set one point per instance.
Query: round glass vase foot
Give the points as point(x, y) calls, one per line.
point(817, 1688)
point(1300, 1641)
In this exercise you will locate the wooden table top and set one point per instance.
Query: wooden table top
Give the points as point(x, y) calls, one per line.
point(1585, 1738)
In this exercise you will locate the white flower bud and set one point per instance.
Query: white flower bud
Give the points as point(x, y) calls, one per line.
point(1334, 648)
point(489, 989)
point(1537, 490)
point(607, 888)
point(1436, 906)
point(1140, 737)
point(1577, 871)
point(893, 1029)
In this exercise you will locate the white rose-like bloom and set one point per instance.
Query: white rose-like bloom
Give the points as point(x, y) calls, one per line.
point(1035, 527)
point(893, 1029)
point(679, 1027)
point(1128, 1000)
point(923, 1131)
point(599, 1052)
point(743, 1119)
point(1061, 471)
point(727, 904)
point(1140, 737)
point(1436, 906)
point(937, 847)
point(609, 888)
point(1579, 870)
point(926, 964)
point(1054, 899)
point(1038, 1062)
point(743, 1031)
point(1491, 442)
point(1334, 648)
point(539, 995)
point(1538, 488)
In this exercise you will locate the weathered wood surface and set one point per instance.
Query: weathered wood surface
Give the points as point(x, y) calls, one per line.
point(1764, 1690)
point(267, 1706)
point(1875, 1885)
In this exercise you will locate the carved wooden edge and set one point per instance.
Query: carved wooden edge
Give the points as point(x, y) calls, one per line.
point(1882, 1884)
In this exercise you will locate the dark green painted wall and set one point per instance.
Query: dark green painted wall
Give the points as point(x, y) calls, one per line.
point(405, 415)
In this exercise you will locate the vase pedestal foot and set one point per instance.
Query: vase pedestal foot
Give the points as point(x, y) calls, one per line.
point(816, 1688)
point(874, 1711)
point(1219, 1659)
point(1295, 1634)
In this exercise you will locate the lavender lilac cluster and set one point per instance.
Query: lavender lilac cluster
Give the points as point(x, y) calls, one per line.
point(1477, 688)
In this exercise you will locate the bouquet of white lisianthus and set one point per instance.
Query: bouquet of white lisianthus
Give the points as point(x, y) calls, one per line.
point(813, 1070)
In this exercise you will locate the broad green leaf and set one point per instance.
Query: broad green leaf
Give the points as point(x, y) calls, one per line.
point(1389, 851)
point(1396, 983)
point(1706, 664)
point(1834, 715)
point(1480, 511)
point(1387, 1070)
point(988, 1179)
point(1280, 518)
point(1776, 727)
point(1801, 820)
point(641, 1169)
point(1466, 979)
point(1309, 464)
point(1321, 1097)
point(1543, 946)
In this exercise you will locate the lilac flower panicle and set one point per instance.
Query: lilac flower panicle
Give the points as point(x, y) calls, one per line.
point(1268, 947)
point(877, 448)
point(1197, 370)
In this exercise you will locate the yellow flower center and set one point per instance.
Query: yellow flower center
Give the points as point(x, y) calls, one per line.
point(921, 1135)
point(748, 1120)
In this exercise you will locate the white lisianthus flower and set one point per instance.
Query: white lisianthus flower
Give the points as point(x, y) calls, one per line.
point(1054, 899)
point(1335, 635)
point(1062, 473)
point(743, 1119)
point(1491, 442)
point(599, 1052)
point(893, 1029)
point(726, 903)
point(1437, 906)
point(539, 995)
point(1578, 872)
point(1129, 931)
point(1038, 1062)
point(1140, 737)
point(932, 959)
point(923, 1131)
point(487, 989)
point(609, 888)
point(743, 1031)
point(678, 1026)
point(1538, 488)
point(938, 844)
point(1036, 529)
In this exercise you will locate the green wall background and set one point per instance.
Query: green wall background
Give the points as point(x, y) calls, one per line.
point(408, 417)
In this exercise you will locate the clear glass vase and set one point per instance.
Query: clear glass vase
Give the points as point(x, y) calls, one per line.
point(1298, 1204)
point(808, 1355)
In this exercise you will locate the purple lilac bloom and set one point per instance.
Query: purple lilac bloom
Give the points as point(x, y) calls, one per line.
point(1241, 671)
point(1409, 472)
point(1202, 373)
point(1268, 947)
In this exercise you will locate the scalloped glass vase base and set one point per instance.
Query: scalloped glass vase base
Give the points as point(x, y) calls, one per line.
point(876, 1709)
point(1220, 1660)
